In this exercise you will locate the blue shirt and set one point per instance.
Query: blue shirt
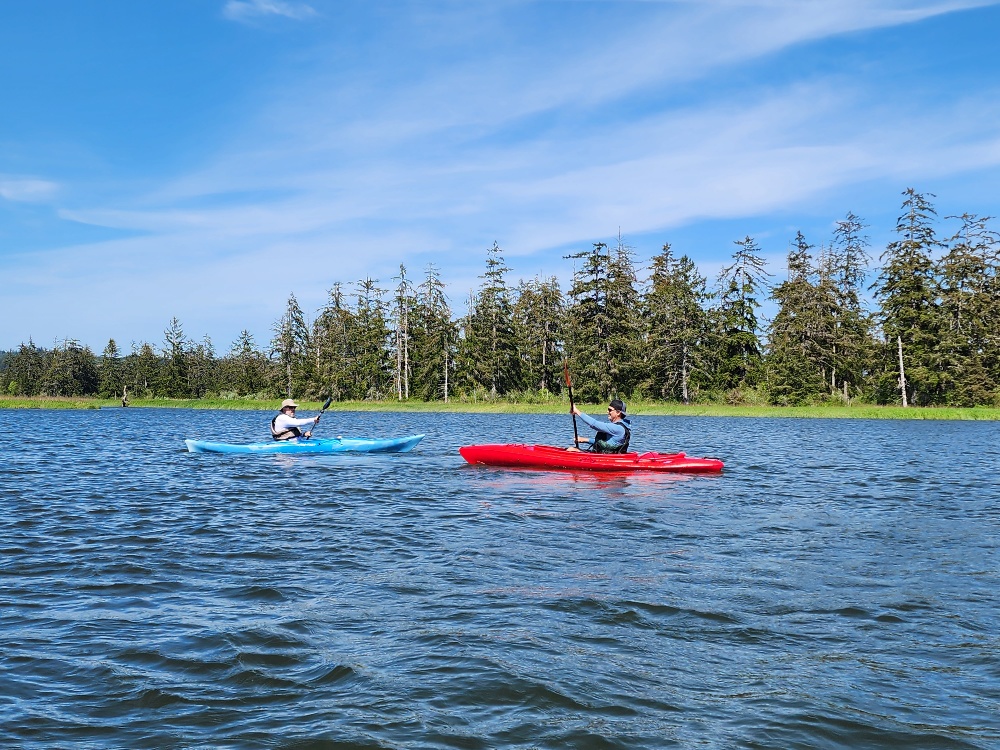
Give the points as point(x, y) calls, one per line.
point(614, 430)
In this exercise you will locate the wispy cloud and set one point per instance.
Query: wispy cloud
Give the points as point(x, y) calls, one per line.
point(649, 121)
point(249, 10)
point(26, 189)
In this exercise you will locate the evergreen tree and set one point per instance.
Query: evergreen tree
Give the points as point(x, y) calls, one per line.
point(246, 368)
point(793, 367)
point(372, 368)
point(851, 339)
point(25, 370)
point(589, 325)
point(970, 311)
point(72, 371)
point(142, 371)
point(111, 372)
point(402, 312)
point(202, 369)
point(488, 349)
point(625, 335)
point(333, 344)
point(739, 357)
point(538, 315)
point(174, 381)
point(290, 346)
point(432, 336)
point(676, 323)
point(907, 290)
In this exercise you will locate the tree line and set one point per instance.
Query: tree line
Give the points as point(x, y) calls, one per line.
point(929, 336)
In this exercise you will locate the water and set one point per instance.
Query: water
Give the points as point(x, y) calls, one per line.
point(836, 587)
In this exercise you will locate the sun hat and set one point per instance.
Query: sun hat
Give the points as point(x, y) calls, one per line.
point(289, 402)
point(618, 405)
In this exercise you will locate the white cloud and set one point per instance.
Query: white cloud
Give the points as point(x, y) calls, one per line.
point(345, 174)
point(247, 10)
point(26, 189)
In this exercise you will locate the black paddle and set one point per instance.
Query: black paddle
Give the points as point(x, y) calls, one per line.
point(569, 384)
point(326, 405)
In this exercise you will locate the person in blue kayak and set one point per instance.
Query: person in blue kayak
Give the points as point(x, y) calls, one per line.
point(612, 436)
point(285, 426)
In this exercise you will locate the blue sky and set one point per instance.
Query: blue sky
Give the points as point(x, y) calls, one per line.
point(206, 158)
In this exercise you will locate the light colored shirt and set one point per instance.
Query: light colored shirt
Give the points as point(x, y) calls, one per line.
point(284, 422)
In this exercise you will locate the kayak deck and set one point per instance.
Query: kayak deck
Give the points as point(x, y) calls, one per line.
point(315, 445)
point(550, 457)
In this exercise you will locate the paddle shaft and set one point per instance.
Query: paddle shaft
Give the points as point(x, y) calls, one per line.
point(569, 384)
point(325, 407)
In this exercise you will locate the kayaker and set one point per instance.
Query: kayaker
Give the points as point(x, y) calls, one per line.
point(285, 426)
point(612, 436)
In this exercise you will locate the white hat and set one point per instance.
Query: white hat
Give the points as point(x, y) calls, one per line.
point(289, 402)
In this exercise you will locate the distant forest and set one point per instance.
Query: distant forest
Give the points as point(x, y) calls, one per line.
point(933, 337)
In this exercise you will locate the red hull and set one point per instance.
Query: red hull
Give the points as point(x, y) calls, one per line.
point(548, 457)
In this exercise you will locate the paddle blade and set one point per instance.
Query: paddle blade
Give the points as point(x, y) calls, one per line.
point(569, 384)
point(326, 404)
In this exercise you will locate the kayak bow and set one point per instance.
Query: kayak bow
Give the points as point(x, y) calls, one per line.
point(549, 457)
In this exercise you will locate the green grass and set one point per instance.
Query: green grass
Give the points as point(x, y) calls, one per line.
point(553, 406)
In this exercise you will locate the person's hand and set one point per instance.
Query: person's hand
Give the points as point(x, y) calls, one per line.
point(575, 411)
point(317, 418)
point(583, 440)
point(308, 434)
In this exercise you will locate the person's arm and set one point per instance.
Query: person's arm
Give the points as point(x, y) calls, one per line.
point(285, 422)
point(590, 421)
point(614, 429)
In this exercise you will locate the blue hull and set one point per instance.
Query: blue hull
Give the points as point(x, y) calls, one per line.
point(325, 445)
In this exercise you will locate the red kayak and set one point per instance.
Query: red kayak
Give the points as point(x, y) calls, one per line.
point(549, 457)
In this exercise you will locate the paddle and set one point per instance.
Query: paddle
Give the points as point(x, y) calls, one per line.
point(569, 384)
point(326, 405)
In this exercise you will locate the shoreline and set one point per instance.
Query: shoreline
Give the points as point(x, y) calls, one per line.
point(636, 408)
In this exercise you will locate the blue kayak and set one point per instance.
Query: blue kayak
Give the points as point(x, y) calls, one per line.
point(313, 445)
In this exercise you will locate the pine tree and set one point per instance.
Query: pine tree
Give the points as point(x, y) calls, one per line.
point(174, 381)
point(794, 371)
point(25, 370)
point(739, 357)
point(907, 290)
point(589, 325)
point(202, 368)
point(488, 348)
point(625, 335)
point(404, 303)
point(538, 316)
point(433, 336)
point(851, 341)
point(676, 324)
point(246, 368)
point(111, 372)
point(72, 371)
point(968, 349)
point(370, 341)
point(142, 371)
point(333, 334)
point(291, 346)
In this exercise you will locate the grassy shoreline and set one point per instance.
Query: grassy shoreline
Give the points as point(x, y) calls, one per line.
point(555, 406)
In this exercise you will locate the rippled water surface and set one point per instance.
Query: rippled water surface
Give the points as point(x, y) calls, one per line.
point(838, 586)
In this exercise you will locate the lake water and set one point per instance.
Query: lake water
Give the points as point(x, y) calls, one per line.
point(837, 586)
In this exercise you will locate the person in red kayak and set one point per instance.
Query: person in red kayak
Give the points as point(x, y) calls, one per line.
point(612, 436)
point(285, 426)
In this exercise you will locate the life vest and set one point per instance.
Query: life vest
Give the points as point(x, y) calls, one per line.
point(291, 432)
point(601, 444)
